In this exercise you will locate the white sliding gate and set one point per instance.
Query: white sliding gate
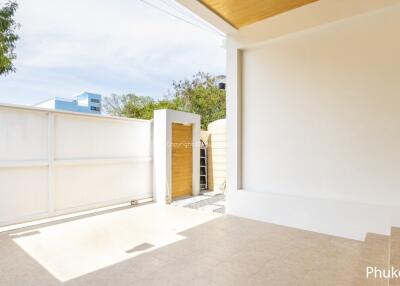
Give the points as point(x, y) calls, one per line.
point(54, 163)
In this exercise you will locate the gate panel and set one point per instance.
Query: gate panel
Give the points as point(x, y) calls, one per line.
point(54, 163)
point(182, 160)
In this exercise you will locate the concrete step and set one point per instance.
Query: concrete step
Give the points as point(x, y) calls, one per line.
point(395, 253)
point(376, 253)
point(209, 208)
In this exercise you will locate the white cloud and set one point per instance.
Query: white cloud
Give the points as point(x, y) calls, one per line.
point(104, 46)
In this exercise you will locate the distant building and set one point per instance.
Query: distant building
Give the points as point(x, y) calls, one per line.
point(85, 102)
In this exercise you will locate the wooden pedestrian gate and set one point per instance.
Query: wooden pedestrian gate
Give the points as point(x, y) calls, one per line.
point(182, 160)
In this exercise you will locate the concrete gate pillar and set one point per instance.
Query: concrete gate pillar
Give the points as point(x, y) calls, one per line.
point(162, 152)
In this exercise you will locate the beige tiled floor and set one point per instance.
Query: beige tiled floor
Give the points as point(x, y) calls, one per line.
point(212, 250)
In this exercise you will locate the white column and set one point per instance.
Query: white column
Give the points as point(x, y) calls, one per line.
point(234, 116)
point(160, 168)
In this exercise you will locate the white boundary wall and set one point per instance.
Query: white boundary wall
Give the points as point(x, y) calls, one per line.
point(53, 163)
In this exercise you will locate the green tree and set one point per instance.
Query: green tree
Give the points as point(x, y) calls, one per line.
point(139, 107)
point(200, 95)
point(144, 106)
point(8, 37)
point(114, 104)
point(134, 106)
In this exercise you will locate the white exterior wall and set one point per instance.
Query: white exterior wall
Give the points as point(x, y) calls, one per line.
point(321, 112)
point(320, 126)
point(54, 163)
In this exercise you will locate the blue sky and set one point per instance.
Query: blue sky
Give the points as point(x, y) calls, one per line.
point(103, 46)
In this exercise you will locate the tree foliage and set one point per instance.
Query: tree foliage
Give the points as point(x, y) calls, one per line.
point(200, 95)
point(8, 37)
point(143, 106)
point(134, 106)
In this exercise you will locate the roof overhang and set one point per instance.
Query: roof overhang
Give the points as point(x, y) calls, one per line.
point(309, 15)
point(243, 13)
point(207, 15)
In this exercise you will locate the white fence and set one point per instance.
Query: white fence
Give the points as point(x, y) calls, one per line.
point(54, 163)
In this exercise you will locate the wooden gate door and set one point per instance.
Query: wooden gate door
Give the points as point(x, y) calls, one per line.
point(182, 160)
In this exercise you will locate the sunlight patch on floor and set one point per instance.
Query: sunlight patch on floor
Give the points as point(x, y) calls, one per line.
point(71, 249)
